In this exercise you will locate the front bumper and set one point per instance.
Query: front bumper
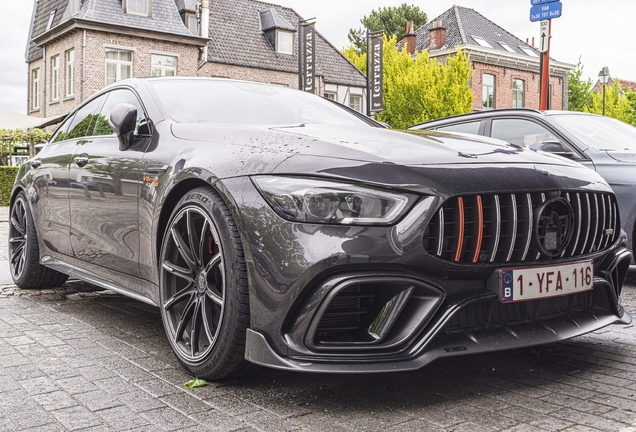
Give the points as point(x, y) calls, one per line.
point(435, 309)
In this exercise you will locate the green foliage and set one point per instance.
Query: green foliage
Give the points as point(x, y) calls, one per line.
point(421, 89)
point(360, 60)
point(12, 136)
point(579, 90)
point(616, 105)
point(391, 19)
point(7, 177)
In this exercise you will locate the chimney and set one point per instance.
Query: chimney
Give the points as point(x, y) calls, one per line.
point(437, 36)
point(409, 38)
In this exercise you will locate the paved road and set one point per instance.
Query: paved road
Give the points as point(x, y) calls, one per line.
point(82, 359)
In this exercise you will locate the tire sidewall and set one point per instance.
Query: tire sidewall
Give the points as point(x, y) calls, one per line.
point(31, 240)
point(209, 202)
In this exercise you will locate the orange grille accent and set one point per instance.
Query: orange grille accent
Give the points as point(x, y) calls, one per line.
point(460, 238)
point(480, 232)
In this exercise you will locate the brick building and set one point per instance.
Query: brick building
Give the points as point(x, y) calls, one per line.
point(76, 47)
point(505, 68)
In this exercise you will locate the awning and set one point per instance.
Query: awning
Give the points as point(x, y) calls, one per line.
point(13, 120)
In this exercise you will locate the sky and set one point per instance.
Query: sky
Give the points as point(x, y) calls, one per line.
point(600, 32)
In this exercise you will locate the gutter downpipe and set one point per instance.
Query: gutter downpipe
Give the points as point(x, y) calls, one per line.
point(205, 26)
point(44, 81)
point(83, 62)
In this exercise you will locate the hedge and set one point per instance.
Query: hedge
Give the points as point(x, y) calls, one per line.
point(7, 177)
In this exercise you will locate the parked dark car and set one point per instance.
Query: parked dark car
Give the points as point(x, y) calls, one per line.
point(603, 144)
point(270, 225)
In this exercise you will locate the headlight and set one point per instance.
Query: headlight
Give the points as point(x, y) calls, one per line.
point(323, 201)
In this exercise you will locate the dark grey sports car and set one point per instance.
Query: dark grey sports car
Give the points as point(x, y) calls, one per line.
point(273, 226)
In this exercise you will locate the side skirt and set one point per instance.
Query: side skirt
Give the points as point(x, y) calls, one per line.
point(145, 291)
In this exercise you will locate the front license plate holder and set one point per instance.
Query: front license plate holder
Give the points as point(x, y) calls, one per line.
point(518, 284)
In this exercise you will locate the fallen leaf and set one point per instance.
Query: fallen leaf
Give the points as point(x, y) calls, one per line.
point(196, 383)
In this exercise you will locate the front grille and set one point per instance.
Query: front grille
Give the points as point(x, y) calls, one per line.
point(495, 229)
point(494, 314)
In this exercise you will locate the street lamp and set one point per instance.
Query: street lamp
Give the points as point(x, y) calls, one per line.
point(603, 77)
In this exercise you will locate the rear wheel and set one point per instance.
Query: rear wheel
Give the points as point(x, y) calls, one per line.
point(203, 286)
point(24, 254)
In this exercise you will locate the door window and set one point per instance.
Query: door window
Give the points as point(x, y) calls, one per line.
point(82, 124)
point(469, 127)
point(60, 133)
point(116, 97)
point(519, 131)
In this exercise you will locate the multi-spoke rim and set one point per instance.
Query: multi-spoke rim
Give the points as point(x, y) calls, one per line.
point(18, 238)
point(192, 283)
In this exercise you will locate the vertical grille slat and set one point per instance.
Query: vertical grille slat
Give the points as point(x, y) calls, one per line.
point(596, 215)
point(499, 228)
point(513, 231)
point(530, 217)
point(495, 246)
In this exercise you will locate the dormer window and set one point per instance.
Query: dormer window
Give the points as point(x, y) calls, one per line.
point(284, 42)
point(192, 23)
point(74, 7)
point(278, 31)
point(137, 7)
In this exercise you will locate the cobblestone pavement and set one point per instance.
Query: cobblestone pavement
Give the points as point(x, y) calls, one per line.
point(78, 358)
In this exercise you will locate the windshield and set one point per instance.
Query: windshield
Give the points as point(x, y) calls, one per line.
point(240, 103)
point(599, 133)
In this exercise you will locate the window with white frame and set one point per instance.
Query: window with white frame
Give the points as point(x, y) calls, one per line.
point(55, 77)
point(74, 7)
point(284, 42)
point(35, 90)
point(355, 102)
point(330, 96)
point(138, 7)
point(518, 93)
point(163, 65)
point(118, 65)
point(192, 23)
point(70, 72)
point(488, 91)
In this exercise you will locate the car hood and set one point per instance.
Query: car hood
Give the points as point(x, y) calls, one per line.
point(368, 144)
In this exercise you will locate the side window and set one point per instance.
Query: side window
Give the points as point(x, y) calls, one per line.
point(60, 133)
point(520, 132)
point(82, 124)
point(115, 97)
point(470, 127)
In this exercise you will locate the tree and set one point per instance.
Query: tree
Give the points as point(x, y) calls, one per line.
point(420, 89)
point(616, 105)
point(391, 19)
point(579, 90)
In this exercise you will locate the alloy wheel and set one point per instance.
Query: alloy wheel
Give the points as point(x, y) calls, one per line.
point(18, 239)
point(192, 283)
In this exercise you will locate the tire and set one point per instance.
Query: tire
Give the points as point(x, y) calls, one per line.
point(24, 254)
point(204, 295)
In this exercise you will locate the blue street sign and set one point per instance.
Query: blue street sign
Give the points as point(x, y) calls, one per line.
point(546, 11)
point(536, 2)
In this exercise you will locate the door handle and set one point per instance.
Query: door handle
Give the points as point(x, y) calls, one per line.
point(36, 163)
point(81, 160)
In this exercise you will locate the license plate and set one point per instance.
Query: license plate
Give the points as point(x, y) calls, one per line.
point(531, 283)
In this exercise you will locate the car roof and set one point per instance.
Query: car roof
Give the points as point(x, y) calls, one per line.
point(496, 113)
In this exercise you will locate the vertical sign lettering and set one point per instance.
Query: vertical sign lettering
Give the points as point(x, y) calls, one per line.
point(376, 74)
point(309, 56)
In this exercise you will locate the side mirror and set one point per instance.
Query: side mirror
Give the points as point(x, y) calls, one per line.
point(123, 120)
point(554, 146)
